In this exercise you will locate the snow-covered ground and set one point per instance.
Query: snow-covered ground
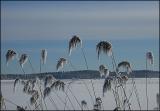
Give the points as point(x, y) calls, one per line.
point(81, 93)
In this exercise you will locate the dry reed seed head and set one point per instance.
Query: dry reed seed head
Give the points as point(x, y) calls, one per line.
point(61, 62)
point(28, 86)
point(58, 85)
point(97, 107)
point(31, 92)
point(19, 108)
point(106, 73)
point(101, 69)
point(83, 103)
point(119, 79)
point(15, 83)
point(126, 65)
point(23, 59)
point(35, 94)
point(43, 55)
point(62, 86)
point(98, 100)
point(10, 55)
point(126, 102)
point(107, 85)
point(104, 47)
point(33, 99)
point(117, 109)
point(53, 85)
point(149, 56)
point(48, 80)
point(74, 42)
point(124, 78)
point(46, 92)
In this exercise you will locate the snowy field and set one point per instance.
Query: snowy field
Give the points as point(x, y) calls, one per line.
point(81, 93)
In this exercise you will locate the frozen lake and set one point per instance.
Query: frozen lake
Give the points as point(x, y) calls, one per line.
point(81, 93)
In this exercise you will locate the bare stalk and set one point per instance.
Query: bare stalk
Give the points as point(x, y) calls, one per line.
point(146, 84)
point(87, 69)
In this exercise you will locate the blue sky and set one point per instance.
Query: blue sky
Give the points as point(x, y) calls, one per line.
point(36, 23)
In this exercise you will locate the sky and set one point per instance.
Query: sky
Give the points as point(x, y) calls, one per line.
point(29, 26)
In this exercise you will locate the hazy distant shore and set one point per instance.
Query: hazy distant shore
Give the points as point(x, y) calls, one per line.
point(84, 74)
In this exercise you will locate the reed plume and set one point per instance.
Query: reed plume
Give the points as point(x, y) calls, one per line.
point(104, 47)
point(10, 55)
point(46, 92)
point(28, 86)
point(43, 55)
point(23, 59)
point(117, 109)
point(98, 100)
point(149, 57)
point(124, 78)
point(58, 85)
point(83, 103)
point(107, 84)
point(48, 80)
point(101, 69)
point(19, 108)
point(126, 65)
point(34, 98)
point(106, 73)
point(61, 62)
point(73, 43)
point(15, 83)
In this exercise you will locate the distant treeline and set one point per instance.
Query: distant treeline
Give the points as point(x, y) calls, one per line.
point(84, 74)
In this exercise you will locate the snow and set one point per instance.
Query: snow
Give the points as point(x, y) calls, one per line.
point(81, 93)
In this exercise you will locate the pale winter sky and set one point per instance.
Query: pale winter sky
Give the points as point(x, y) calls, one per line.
point(52, 20)
point(28, 26)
